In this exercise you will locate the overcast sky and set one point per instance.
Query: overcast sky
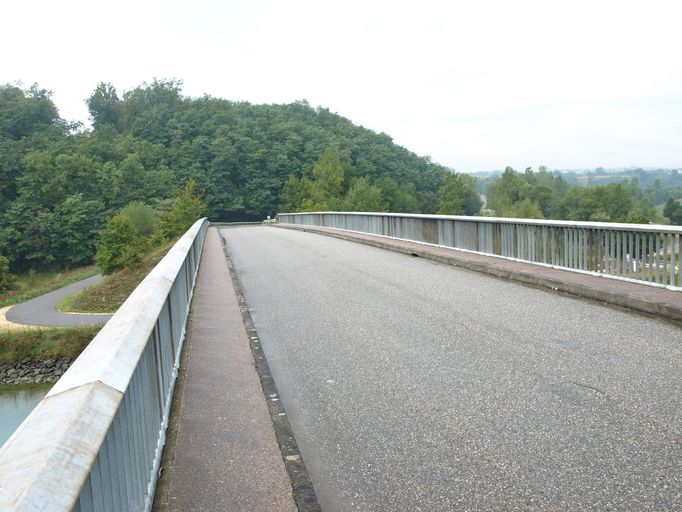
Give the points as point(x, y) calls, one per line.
point(477, 85)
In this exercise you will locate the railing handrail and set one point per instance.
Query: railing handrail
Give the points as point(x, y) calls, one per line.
point(49, 458)
point(617, 226)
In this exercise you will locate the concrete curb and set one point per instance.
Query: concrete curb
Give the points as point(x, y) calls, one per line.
point(632, 296)
point(302, 486)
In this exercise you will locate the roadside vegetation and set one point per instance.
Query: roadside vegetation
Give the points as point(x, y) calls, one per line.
point(134, 241)
point(112, 291)
point(64, 188)
point(33, 284)
point(42, 344)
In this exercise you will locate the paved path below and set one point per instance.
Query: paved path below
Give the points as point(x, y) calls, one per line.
point(42, 310)
point(226, 455)
point(413, 385)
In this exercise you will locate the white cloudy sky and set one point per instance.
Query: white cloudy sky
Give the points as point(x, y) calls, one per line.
point(477, 85)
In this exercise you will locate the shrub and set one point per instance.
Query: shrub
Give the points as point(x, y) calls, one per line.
point(8, 281)
point(185, 211)
point(143, 217)
point(120, 246)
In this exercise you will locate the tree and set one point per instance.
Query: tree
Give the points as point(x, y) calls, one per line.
point(119, 246)
point(510, 188)
point(399, 198)
point(7, 280)
point(78, 223)
point(673, 210)
point(458, 196)
point(187, 208)
point(104, 105)
point(295, 192)
point(328, 173)
point(364, 197)
point(58, 184)
point(23, 113)
point(130, 180)
point(144, 219)
point(526, 209)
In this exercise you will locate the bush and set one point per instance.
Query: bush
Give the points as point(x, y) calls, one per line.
point(8, 281)
point(143, 217)
point(185, 211)
point(120, 246)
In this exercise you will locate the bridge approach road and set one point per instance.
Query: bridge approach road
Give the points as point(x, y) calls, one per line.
point(411, 385)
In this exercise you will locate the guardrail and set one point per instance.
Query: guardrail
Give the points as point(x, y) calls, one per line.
point(241, 223)
point(95, 441)
point(644, 253)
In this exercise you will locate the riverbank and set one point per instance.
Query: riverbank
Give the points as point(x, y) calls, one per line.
point(40, 355)
point(28, 371)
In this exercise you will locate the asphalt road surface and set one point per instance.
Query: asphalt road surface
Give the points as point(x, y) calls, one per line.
point(415, 386)
point(43, 310)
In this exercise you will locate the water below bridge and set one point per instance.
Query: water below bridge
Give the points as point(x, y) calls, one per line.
point(412, 385)
point(16, 403)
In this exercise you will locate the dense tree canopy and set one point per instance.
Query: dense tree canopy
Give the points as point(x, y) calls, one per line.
point(547, 195)
point(458, 196)
point(59, 183)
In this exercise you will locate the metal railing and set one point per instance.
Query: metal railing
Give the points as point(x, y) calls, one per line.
point(95, 441)
point(644, 253)
point(238, 224)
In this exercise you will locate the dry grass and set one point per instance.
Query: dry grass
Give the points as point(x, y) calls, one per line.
point(46, 343)
point(112, 291)
point(33, 285)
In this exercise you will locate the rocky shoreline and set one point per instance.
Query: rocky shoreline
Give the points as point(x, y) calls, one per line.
point(34, 372)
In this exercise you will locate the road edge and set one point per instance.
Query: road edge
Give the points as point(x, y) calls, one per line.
point(302, 486)
point(627, 302)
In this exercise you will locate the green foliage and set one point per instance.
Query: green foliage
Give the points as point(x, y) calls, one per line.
point(58, 185)
point(41, 344)
point(673, 210)
point(120, 246)
point(295, 192)
point(8, 281)
point(526, 209)
point(458, 196)
point(545, 195)
point(503, 193)
point(364, 197)
point(399, 198)
point(247, 159)
point(187, 208)
point(79, 221)
point(32, 284)
point(328, 173)
point(25, 112)
point(107, 295)
point(104, 105)
point(144, 219)
point(335, 186)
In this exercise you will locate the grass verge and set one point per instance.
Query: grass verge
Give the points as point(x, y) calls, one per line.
point(30, 286)
point(47, 343)
point(112, 291)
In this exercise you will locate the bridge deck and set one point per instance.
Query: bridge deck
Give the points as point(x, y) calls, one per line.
point(412, 385)
point(226, 456)
point(661, 302)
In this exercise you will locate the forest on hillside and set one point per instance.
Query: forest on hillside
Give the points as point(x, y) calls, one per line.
point(62, 184)
point(59, 182)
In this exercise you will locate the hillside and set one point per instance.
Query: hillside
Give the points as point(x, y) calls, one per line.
point(59, 182)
